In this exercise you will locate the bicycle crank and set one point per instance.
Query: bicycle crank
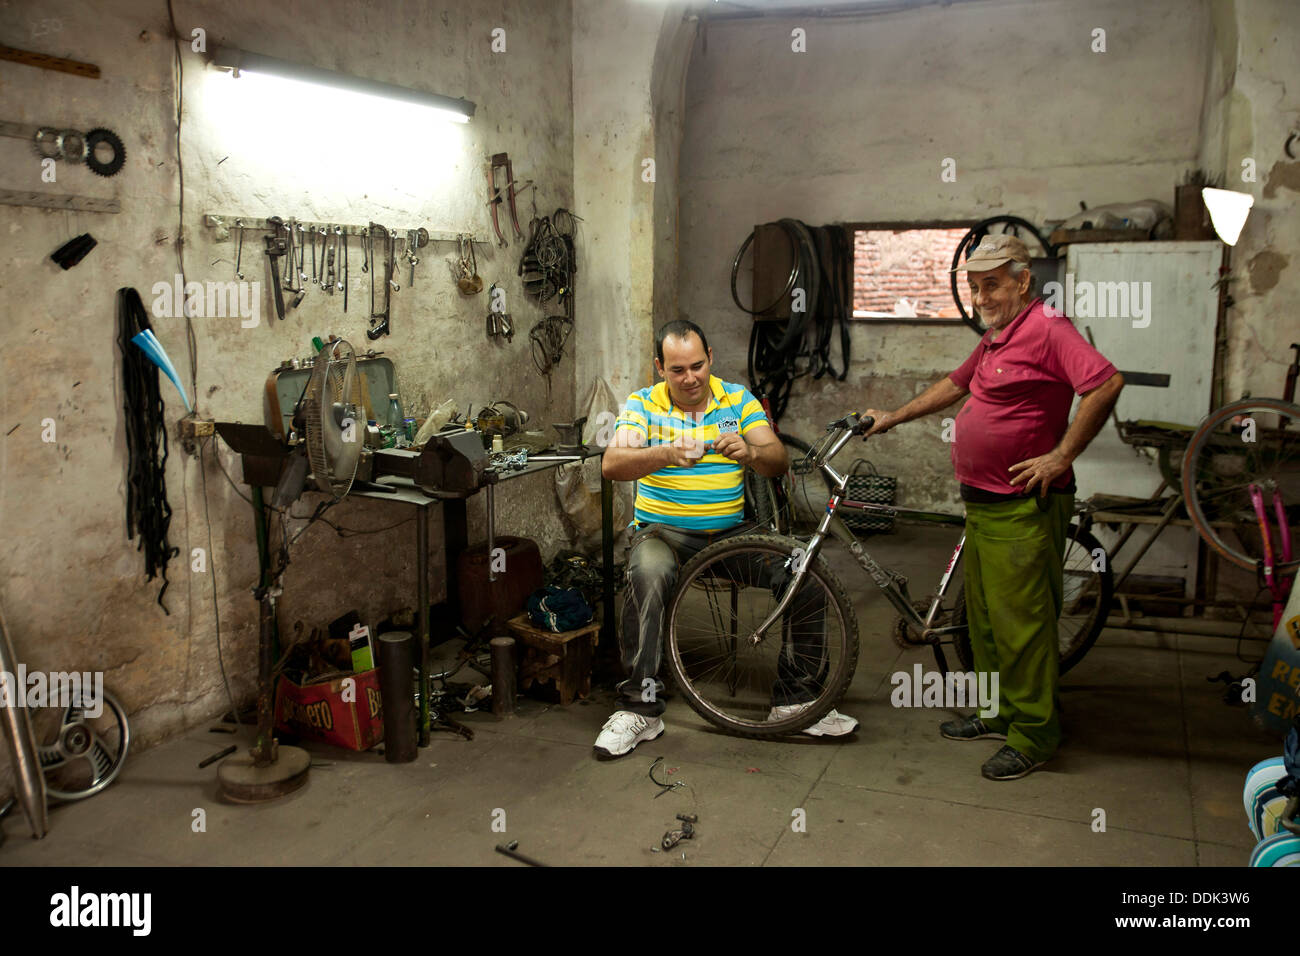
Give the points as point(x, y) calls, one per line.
point(905, 633)
point(87, 753)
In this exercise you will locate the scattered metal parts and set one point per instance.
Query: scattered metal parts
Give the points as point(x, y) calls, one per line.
point(510, 850)
point(226, 752)
point(685, 832)
point(663, 787)
point(95, 138)
point(509, 460)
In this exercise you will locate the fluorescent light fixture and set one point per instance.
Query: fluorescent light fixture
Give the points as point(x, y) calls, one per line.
point(240, 61)
point(1228, 211)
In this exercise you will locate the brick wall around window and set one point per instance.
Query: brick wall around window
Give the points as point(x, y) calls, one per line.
point(904, 273)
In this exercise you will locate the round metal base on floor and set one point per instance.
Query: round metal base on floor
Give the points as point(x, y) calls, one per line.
point(239, 781)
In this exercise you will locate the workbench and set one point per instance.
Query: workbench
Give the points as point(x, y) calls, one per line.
point(456, 539)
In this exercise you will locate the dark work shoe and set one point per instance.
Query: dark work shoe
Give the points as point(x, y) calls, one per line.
point(1009, 764)
point(968, 728)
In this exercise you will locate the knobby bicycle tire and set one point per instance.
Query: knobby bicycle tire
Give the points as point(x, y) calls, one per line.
point(1085, 637)
point(1194, 481)
point(838, 601)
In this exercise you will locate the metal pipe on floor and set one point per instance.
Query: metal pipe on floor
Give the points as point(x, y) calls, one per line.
point(397, 691)
point(504, 676)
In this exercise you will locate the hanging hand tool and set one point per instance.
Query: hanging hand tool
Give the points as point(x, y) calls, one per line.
point(411, 257)
point(315, 275)
point(275, 247)
point(291, 269)
point(390, 267)
point(338, 254)
point(378, 320)
point(365, 251)
point(302, 256)
point(239, 248)
point(345, 273)
point(327, 253)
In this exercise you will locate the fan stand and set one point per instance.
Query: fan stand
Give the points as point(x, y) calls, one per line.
point(267, 771)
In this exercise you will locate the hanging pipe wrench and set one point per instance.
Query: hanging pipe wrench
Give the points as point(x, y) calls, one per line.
point(379, 320)
point(502, 161)
point(276, 247)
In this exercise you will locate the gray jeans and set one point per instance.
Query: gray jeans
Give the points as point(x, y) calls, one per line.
point(656, 553)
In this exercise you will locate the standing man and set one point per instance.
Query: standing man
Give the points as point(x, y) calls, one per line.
point(686, 442)
point(1012, 456)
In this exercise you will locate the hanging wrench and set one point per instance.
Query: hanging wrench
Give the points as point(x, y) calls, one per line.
point(329, 268)
point(338, 242)
point(239, 250)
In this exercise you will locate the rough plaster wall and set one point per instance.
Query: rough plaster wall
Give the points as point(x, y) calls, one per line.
point(628, 64)
point(73, 588)
point(855, 129)
point(1252, 106)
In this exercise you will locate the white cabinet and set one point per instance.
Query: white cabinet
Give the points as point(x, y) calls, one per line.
point(1167, 293)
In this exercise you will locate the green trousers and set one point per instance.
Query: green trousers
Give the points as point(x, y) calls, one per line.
point(1014, 593)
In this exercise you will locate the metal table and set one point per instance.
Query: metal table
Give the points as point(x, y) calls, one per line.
point(456, 539)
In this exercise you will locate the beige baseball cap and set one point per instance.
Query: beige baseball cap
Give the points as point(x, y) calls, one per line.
point(995, 250)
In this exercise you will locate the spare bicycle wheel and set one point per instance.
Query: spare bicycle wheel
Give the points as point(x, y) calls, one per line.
point(86, 751)
point(1252, 442)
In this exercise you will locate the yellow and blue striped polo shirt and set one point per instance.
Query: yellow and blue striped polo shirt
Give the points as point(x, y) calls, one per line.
point(708, 496)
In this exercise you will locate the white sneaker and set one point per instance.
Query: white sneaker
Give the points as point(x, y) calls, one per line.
point(834, 724)
point(624, 731)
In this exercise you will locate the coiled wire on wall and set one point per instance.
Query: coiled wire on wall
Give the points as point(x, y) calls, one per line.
point(148, 513)
point(781, 351)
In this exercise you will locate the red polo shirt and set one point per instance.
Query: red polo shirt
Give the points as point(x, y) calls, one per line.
point(1022, 387)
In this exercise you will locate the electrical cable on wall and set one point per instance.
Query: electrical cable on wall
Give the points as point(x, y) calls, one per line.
point(148, 513)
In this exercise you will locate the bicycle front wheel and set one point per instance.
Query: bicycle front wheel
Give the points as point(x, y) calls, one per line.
point(745, 684)
point(1089, 585)
point(1253, 443)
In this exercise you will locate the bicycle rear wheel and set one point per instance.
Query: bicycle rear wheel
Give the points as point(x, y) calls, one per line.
point(1089, 586)
point(1242, 444)
point(808, 656)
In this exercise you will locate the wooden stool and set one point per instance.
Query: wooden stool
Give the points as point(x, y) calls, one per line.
point(564, 657)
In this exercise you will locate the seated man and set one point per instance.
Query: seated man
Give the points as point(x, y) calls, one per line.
point(687, 498)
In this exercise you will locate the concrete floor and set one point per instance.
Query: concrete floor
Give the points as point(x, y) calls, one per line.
point(1148, 741)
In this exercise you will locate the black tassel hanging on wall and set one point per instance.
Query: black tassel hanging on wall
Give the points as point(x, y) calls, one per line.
point(148, 513)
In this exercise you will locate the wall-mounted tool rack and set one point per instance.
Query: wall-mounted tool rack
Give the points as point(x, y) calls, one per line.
point(221, 220)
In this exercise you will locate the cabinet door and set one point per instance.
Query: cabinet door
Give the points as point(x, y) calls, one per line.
point(1166, 292)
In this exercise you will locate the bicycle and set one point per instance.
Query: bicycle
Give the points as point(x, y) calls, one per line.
point(777, 581)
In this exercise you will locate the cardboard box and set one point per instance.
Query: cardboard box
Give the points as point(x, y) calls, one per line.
point(320, 712)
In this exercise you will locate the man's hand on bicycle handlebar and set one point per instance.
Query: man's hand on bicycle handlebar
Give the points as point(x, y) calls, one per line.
point(880, 422)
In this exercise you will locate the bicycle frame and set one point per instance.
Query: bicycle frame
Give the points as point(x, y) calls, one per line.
point(892, 584)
